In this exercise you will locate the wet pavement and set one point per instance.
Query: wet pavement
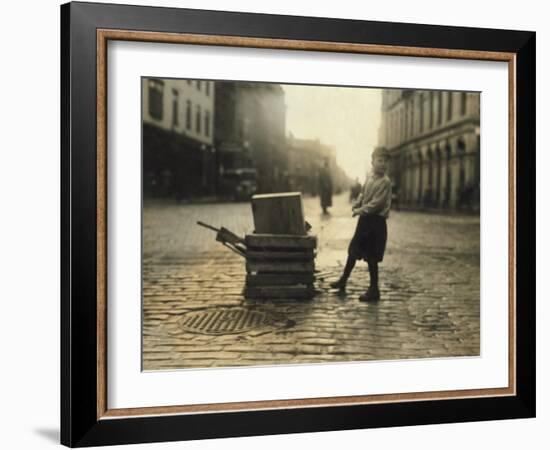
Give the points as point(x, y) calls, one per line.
point(195, 315)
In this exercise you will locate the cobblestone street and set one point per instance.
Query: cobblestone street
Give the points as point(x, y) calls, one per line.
point(429, 283)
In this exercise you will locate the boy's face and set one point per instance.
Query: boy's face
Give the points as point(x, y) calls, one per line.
point(380, 165)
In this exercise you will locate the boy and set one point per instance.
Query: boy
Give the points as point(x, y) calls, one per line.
point(369, 240)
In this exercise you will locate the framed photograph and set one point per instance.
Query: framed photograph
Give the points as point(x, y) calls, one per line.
point(277, 224)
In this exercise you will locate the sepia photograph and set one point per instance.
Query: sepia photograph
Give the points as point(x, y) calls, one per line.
point(277, 224)
point(299, 224)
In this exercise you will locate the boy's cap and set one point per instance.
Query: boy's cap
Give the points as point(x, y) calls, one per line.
point(381, 151)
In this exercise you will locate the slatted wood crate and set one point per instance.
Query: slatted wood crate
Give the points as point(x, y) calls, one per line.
point(280, 255)
point(280, 266)
point(281, 213)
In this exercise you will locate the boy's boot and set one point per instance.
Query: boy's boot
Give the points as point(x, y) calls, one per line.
point(372, 295)
point(340, 284)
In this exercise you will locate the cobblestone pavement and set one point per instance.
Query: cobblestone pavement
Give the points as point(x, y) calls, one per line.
point(429, 283)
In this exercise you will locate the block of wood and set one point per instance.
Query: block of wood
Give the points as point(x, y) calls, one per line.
point(280, 266)
point(280, 241)
point(280, 213)
point(279, 279)
point(284, 255)
point(274, 292)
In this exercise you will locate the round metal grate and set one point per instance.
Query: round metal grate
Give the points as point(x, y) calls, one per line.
point(223, 320)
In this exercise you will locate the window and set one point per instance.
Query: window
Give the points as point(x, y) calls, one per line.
point(421, 113)
point(198, 120)
point(188, 113)
point(463, 99)
point(240, 128)
point(402, 123)
point(391, 120)
point(207, 123)
point(394, 127)
point(411, 118)
point(431, 114)
point(199, 85)
point(175, 116)
point(449, 105)
point(156, 92)
point(207, 88)
point(408, 120)
point(439, 107)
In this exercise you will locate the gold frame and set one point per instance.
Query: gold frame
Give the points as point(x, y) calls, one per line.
point(103, 36)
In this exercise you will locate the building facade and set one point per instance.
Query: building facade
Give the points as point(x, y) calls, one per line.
point(178, 138)
point(250, 131)
point(434, 141)
point(306, 157)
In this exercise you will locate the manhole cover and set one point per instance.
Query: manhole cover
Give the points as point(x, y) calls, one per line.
point(224, 320)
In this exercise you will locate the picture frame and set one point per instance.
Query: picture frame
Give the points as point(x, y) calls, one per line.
point(86, 418)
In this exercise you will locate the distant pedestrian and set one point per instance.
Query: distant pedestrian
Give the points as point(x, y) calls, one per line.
point(369, 241)
point(395, 197)
point(325, 187)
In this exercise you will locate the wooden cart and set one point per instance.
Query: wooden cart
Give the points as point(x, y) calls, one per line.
point(280, 254)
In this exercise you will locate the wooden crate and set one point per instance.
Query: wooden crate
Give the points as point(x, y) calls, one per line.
point(264, 241)
point(280, 266)
point(280, 255)
point(281, 213)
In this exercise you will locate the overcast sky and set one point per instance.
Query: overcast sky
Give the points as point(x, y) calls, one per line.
point(345, 118)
